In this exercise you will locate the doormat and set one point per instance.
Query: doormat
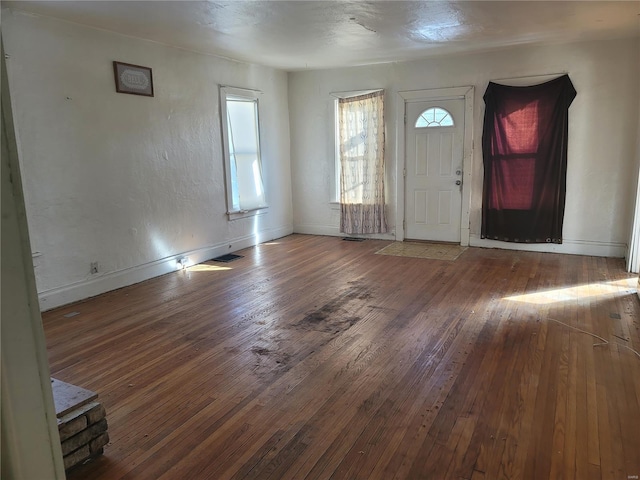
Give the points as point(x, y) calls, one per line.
point(354, 239)
point(434, 251)
point(229, 257)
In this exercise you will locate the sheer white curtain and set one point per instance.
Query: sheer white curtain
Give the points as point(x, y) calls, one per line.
point(633, 257)
point(362, 196)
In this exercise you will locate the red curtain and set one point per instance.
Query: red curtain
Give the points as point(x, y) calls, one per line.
point(524, 147)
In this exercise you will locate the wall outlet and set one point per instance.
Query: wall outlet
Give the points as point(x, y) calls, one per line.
point(94, 267)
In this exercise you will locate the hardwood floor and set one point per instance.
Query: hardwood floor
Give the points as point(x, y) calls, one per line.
point(311, 357)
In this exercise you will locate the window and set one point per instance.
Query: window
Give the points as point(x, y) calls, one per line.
point(241, 143)
point(361, 139)
point(335, 187)
point(524, 148)
point(434, 117)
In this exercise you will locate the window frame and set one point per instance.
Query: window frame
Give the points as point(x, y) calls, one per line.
point(435, 124)
point(229, 93)
point(336, 152)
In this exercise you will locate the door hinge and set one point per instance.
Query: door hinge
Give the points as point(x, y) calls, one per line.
point(404, 224)
point(404, 172)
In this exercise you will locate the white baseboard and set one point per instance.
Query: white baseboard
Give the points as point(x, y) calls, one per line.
point(106, 282)
point(334, 231)
point(571, 247)
point(313, 229)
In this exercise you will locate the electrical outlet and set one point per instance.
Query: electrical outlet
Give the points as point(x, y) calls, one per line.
point(94, 267)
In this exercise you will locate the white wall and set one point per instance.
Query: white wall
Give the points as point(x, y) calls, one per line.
point(128, 181)
point(603, 123)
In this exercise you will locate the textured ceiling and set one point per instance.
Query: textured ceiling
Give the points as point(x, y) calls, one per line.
point(297, 35)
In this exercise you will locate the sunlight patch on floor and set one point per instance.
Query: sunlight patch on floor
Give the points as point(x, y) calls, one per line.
point(203, 267)
point(569, 294)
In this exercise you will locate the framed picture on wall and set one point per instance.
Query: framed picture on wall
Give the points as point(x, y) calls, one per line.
point(133, 79)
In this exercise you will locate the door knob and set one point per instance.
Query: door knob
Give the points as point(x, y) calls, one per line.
point(458, 182)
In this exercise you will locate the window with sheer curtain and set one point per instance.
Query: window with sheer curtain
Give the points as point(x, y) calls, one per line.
point(361, 139)
point(633, 257)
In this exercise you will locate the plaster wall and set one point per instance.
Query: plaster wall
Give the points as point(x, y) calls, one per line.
point(603, 122)
point(127, 181)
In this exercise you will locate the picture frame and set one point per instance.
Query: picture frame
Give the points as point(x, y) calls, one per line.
point(133, 79)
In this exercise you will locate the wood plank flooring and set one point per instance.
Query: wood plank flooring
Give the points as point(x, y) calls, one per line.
point(314, 358)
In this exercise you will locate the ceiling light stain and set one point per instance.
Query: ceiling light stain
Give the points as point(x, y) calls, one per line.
point(355, 20)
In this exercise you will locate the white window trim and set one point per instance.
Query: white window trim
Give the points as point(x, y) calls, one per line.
point(247, 213)
point(336, 154)
point(253, 95)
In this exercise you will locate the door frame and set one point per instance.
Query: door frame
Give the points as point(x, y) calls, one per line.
point(430, 95)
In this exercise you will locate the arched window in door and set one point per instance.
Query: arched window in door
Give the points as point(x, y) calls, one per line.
point(434, 117)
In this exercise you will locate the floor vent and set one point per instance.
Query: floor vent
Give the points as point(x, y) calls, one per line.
point(354, 239)
point(229, 257)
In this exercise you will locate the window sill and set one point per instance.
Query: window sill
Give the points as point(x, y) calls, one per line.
point(238, 214)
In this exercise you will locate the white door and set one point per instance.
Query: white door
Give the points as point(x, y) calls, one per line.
point(433, 183)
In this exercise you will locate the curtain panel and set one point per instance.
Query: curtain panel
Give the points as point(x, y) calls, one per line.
point(361, 137)
point(524, 148)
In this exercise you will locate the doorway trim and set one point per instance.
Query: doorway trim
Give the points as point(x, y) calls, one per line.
point(409, 96)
